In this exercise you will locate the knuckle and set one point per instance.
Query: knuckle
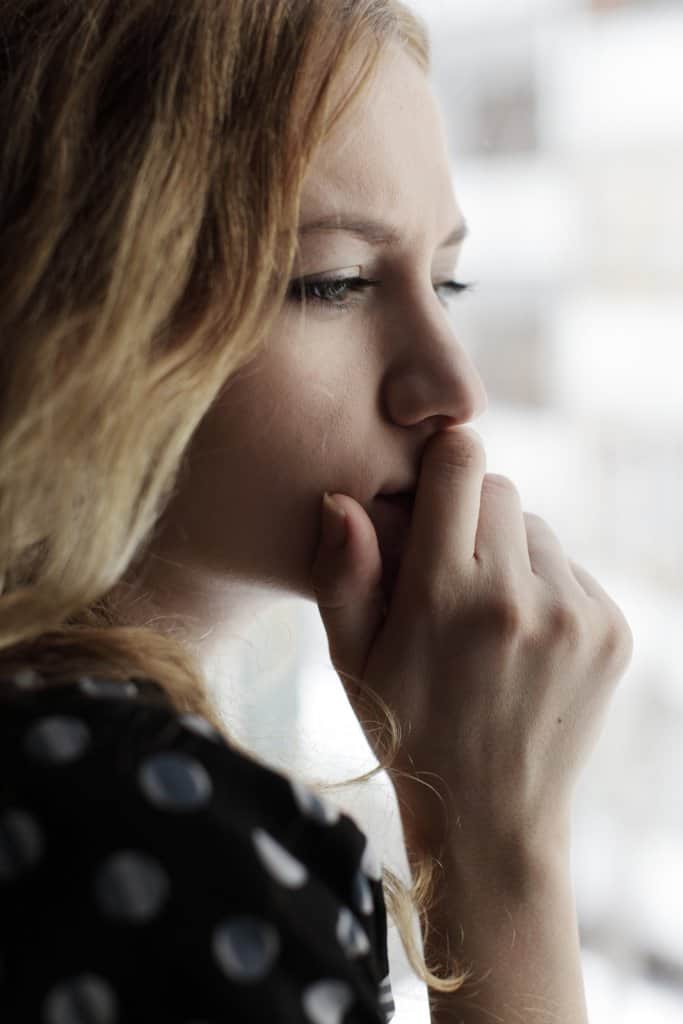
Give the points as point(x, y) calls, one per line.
point(628, 641)
point(618, 643)
point(563, 623)
point(505, 614)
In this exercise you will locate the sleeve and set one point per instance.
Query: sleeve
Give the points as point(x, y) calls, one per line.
point(149, 871)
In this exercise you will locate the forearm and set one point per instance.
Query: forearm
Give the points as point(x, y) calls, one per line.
point(516, 929)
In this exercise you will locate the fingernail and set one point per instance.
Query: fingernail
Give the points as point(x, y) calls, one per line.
point(334, 531)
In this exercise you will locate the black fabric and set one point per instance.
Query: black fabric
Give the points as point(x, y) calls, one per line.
point(149, 872)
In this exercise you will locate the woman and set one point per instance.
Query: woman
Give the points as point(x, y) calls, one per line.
point(228, 240)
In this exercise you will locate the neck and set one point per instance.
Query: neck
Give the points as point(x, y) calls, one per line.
point(212, 614)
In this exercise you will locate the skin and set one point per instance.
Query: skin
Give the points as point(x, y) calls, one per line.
point(335, 401)
point(497, 651)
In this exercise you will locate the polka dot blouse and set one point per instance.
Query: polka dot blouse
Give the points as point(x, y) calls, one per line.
point(151, 873)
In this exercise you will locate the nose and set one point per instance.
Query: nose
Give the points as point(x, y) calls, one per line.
point(431, 376)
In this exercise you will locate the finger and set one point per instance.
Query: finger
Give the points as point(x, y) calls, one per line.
point(547, 556)
point(346, 581)
point(623, 632)
point(501, 535)
point(591, 586)
point(446, 509)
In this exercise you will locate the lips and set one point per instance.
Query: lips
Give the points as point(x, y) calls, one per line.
point(400, 504)
point(393, 512)
point(391, 515)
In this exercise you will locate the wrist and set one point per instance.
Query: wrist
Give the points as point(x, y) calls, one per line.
point(511, 923)
point(481, 856)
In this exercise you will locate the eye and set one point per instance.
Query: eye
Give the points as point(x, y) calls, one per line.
point(453, 289)
point(329, 293)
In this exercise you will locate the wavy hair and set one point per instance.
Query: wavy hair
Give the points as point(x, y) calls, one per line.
point(148, 230)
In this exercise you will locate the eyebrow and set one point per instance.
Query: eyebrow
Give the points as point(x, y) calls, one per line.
point(375, 232)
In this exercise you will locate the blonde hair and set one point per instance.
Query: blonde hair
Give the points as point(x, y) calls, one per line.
point(150, 174)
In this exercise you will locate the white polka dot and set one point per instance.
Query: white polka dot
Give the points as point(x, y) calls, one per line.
point(362, 894)
point(21, 843)
point(107, 687)
point(131, 886)
point(312, 805)
point(351, 936)
point(370, 862)
point(27, 679)
point(280, 863)
point(58, 739)
point(199, 725)
point(175, 781)
point(326, 1001)
point(245, 948)
point(83, 999)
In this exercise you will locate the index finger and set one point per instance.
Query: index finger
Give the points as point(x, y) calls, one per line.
point(445, 516)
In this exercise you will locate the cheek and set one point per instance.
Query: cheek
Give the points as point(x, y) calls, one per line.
point(290, 422)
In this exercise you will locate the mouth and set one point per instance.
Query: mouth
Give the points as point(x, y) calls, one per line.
point(395, 508)
point(403, 499)
point(391, 515)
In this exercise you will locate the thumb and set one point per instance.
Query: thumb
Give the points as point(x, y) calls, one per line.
point(346, 577)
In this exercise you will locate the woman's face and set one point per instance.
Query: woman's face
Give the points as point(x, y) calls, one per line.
point(345, 398)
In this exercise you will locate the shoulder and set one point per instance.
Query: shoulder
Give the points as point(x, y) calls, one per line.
point(138, 830)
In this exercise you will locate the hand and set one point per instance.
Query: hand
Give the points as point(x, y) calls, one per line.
point(496, 652)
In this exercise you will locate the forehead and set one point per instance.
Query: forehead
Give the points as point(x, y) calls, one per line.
point(388, 157)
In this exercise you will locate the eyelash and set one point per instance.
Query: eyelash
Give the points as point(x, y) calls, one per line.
point(300, 289)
